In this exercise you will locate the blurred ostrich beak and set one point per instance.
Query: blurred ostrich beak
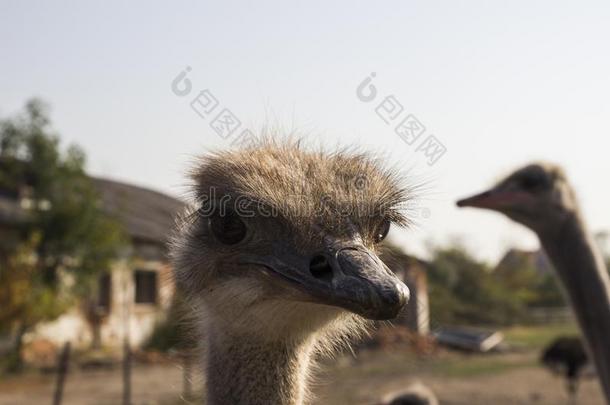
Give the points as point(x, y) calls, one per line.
point(486, 199)
point(495, 199)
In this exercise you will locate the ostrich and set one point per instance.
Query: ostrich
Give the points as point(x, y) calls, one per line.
point(277, 261)
point(540, 197)
point(566, 356)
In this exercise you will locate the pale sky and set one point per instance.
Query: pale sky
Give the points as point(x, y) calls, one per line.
point(498, 83)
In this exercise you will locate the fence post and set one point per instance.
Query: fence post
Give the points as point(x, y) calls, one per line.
point(126, 372)
point(62, 370)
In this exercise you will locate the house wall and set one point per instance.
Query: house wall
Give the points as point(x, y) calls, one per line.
point(125, 316)
point(416, 315)
point(418, 318)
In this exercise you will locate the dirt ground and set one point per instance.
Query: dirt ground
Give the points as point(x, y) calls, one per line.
point(505, 379)
point(457, 379)
point(525, 386)
point(152, 384)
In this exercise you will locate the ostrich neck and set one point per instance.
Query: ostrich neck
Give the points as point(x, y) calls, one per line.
point(248, 370)
point(584, 276)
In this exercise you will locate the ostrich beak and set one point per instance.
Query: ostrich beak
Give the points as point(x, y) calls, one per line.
point(363, 284)
point(495, 199)
point(481, 200)
point(348, 276)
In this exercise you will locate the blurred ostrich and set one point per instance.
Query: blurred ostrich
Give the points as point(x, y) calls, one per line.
point(415, 394)
point(540, 197)
point(278, 263)
point(566, 356)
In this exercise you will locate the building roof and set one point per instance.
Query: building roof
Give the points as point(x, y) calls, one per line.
point(393, 253)
point(533, 258)
point(399, 261)
point(146, 214)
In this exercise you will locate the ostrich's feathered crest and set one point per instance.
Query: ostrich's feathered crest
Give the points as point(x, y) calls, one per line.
point(552, 171)
point(306, 188)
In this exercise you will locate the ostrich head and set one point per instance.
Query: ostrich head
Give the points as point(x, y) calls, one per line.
point(281, 241)
point(537, 196)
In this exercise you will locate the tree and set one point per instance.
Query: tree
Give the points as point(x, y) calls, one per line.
point(464, 290)
point(520, 276)
point(64, 240)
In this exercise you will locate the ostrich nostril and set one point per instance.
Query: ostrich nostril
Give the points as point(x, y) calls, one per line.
point(320, 268)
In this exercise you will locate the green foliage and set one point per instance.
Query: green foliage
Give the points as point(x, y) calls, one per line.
point(466, 291)
point(548, 292)
point(65, 239)
point(171, 333)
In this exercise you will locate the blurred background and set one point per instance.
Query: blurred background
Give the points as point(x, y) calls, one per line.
point(103, 108)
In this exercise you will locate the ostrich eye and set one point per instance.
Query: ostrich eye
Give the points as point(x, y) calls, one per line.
point(229, 229)
point(382, 231)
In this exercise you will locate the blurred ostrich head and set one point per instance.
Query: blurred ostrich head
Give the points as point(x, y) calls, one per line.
point(537, 196)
